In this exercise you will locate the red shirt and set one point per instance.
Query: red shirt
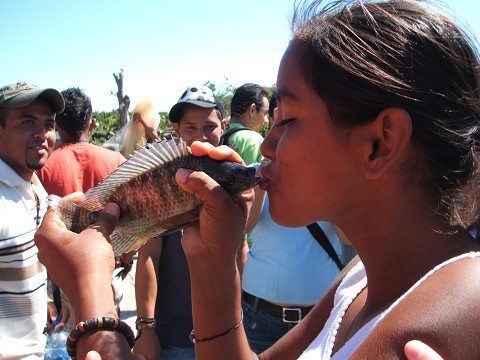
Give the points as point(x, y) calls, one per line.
point(77, 167)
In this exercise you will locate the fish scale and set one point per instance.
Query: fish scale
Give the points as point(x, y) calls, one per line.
point(150, 200)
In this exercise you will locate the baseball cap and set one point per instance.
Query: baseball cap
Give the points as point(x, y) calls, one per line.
point(22, 93)
point(197, 95)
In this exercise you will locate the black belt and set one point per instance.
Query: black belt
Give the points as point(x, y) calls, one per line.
point(287, 314)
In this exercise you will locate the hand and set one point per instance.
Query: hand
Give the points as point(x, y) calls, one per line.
point(222, 218)
point(416, 350)
point(53, 315)
point(93, 355)
point(148, 345)
point(81, 264)
point(151, 134)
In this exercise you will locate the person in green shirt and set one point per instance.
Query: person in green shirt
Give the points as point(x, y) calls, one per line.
point(249, 113)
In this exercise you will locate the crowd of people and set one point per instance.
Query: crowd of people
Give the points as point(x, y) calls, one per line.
point(360, 242)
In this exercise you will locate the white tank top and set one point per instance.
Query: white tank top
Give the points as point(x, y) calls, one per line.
point(353, 283)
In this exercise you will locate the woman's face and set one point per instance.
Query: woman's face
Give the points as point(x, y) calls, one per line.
point(312, 168)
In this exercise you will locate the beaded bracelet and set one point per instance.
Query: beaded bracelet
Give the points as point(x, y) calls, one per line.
point(101, 323)
point(194, 340)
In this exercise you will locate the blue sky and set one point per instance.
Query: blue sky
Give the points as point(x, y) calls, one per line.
point(163, 46)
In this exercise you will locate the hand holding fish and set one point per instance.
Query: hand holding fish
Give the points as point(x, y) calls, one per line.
point(87, 257)
point(82, 265)
point(150, 200)
point(222, 218)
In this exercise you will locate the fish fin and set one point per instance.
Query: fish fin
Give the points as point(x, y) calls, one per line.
point(186, 219)
point(181, 227)
point(123, 243)
point(75, 217)
point(144, 159)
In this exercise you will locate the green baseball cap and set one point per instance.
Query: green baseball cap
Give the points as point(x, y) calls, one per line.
point(22, 93)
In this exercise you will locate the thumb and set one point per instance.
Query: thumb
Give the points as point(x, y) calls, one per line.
point(93, 355)
point(107, 221)
point(416, 350)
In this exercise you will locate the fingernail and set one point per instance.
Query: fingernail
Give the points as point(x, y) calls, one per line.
point(182, 175)
point(415, 349)
point(111, 209)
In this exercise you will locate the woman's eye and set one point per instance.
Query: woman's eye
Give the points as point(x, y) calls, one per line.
point(283, 122)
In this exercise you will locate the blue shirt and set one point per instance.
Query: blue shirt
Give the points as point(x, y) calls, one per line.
point(287, 265)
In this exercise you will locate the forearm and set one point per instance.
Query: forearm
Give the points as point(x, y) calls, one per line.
point(146, 280)
point(94, 303)
point(242, 255)
point(216, 309)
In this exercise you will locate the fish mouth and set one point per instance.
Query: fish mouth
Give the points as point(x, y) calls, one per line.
point(257, 180)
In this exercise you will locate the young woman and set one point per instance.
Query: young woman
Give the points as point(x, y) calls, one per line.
point(378, 119)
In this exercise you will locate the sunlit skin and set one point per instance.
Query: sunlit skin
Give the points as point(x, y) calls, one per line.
point(200, 124)
point(259, 116)
point(28, 137)
point(313, 165)
point(150, 132)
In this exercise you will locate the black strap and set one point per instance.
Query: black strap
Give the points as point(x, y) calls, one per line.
point(322, 239)
point(57, 298)
point(230, 132)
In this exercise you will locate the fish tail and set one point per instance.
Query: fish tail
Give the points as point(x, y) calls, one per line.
point(75, 217)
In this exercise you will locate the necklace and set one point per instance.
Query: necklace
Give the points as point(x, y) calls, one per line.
point(37, 204)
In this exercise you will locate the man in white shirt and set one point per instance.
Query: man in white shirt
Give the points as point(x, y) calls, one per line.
point(27, 137)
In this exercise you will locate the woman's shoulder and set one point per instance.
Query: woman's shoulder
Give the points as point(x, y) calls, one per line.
point(443, 310)
point(292, 345)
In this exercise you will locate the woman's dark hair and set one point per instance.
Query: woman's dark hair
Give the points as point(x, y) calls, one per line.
point(2, 117)
point(363, 57)
point(77, 114)
point(272, 105)
point(246, 95)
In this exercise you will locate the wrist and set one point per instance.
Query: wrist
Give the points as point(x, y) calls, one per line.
point(144, 324)
point(94, 300)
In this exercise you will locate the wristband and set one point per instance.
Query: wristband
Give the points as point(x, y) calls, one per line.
point(142, 324)
point(101, 323)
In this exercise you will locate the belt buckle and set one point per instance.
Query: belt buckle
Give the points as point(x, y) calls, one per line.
point(286, 311)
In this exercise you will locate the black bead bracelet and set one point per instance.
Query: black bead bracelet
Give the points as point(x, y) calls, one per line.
point(101, 323)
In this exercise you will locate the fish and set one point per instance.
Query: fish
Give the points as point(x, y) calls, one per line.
point(150, 200)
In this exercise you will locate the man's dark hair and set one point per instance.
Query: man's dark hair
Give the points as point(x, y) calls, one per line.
point(246, 95)
point(77, 114)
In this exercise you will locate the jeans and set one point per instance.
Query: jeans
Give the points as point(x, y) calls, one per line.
point(177, 353)
point(263, 330)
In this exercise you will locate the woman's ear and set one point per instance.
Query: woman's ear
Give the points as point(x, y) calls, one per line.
point(386, 140)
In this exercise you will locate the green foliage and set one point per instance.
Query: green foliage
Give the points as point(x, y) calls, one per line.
point(165, 128)
point(265, 130)
point(108, 123)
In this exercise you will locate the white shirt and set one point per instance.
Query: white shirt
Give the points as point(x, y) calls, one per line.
point(23, 291)
point(353, 283)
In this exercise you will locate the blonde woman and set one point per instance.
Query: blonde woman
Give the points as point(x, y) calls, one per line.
point(142, 128)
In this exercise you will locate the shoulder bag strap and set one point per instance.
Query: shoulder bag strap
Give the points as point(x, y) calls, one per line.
point(228, 133)
point(322, 239)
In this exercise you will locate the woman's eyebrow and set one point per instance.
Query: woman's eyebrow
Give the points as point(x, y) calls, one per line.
point(285, 95)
